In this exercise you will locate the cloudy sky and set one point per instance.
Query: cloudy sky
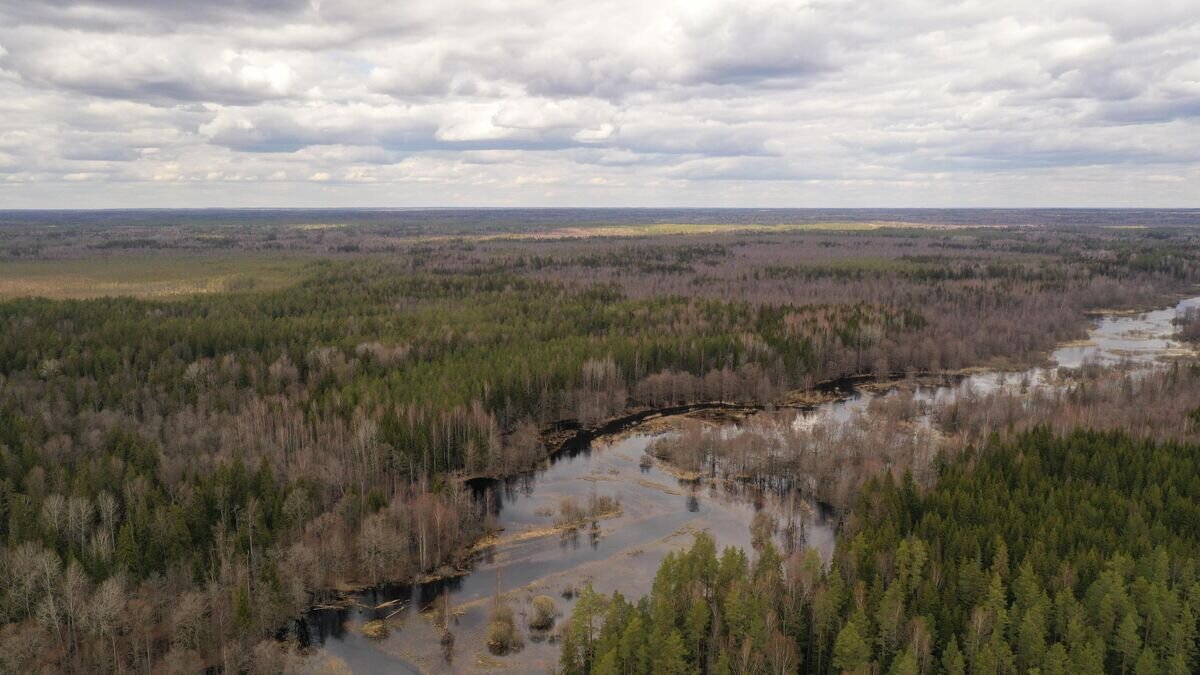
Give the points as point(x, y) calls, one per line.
point(599, 103)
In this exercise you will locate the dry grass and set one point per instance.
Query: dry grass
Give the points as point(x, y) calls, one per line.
point(665, 229)
point(672, 470)
point(653, 485)
point(376, 630)
point(681, 229)
point(312, 227)
point(539, 532)
point(146, 277)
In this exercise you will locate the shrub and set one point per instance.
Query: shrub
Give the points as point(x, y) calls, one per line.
point(503, 636)
point(543, 613)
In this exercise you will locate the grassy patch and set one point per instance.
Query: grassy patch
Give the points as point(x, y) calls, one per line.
point(312, 227)
point(666, 229)
point(146, 277)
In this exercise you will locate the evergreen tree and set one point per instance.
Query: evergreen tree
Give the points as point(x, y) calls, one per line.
point(1147, 663)
point(669, 657)
point(952, 659)
point(128, 553)
point(904, 664)
point(242, 613)
point(1128, 642)
point(850, 652)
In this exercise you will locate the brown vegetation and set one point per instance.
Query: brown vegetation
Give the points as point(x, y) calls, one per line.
point(544, 613)
point(503, 636)
point(179, 478)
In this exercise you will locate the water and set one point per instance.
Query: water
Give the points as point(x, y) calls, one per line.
point(659, 513)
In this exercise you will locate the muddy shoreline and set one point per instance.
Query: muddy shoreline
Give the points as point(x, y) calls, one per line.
point(568, 436)
point(570, 439)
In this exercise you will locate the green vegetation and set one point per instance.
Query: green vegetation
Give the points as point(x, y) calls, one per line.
point(1047, 554)
point(193, 443)
point(288, 440)
point(147, 276)
point(424, 347)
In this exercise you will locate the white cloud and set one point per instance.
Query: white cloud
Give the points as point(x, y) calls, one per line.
point(720, 102)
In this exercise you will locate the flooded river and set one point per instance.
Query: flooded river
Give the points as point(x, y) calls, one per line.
point(658, 513)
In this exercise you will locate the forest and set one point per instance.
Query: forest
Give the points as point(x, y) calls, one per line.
point(185, 467)
point(1045, 553)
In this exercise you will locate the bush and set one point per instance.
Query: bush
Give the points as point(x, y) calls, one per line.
point(503, 636)
point(570, 514)
point(543, 613)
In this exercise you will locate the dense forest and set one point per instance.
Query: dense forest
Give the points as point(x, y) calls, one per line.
point(1045, 553)
point(180, 475)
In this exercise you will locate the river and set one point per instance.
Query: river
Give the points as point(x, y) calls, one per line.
point(658, 513)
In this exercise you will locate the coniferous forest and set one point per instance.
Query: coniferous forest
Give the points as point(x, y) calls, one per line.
point(1047, 554)
point(190, 459)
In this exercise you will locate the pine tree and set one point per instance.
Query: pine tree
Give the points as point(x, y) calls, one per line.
point(986, 662)
point(1031, 643)
point(1088, 657)
point(607, 665)
point(241, 607)
point(578, 647)
point(1147, 663)
point(569, 658)
point(1177, 665)
point(670, 657)
point(1128, 643)
point(1056, 661)
point(722, 666)
point(850, 651)
point(952, 659)
point(632, 641)
point(128, 554)
point(697, 630)
point(904, 664)
point(890, 619)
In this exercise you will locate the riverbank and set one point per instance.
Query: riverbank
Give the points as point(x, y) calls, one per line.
point(662, 506)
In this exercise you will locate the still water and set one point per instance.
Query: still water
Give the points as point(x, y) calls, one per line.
point(659, 513)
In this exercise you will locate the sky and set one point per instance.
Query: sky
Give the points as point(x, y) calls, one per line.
point(825, 103)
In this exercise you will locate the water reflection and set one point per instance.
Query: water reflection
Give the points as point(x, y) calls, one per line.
point(630, 545)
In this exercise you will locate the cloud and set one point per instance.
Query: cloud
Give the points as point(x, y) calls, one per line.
point(604, 102)
point(154, 69)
